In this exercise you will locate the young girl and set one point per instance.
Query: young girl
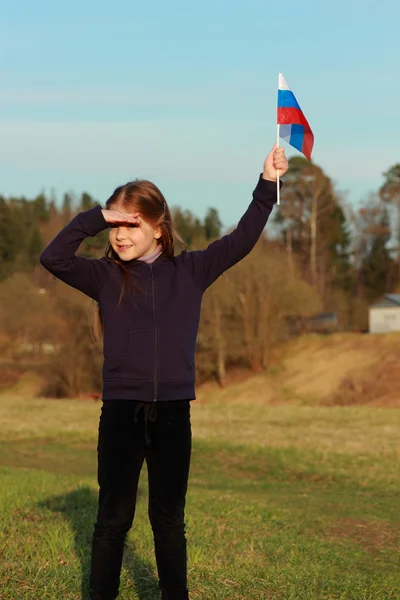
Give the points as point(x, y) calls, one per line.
point(149, 308)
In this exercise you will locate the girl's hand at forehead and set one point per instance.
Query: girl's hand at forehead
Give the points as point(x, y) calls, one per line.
point(117, 218)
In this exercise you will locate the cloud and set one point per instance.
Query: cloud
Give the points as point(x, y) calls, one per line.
point(171, 148)
point(173, 96)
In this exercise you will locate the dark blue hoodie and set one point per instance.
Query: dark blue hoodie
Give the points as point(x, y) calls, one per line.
point(150, 339)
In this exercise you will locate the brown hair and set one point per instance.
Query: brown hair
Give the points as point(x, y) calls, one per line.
point(143, 197)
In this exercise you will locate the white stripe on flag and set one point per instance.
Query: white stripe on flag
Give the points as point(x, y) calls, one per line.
point(285, 131)
point(283, 85)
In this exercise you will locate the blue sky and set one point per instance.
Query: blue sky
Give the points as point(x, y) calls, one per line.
point(93, 94)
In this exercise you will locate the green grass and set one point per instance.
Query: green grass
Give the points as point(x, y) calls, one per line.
point(284, 503)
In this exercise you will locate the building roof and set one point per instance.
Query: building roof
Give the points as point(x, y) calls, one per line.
point(387, 300)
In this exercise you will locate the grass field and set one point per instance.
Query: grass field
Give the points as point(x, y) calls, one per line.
point(284, 503)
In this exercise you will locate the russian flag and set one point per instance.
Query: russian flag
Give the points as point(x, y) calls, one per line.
point(293, 126)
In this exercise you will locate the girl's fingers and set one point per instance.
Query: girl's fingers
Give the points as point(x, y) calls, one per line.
point(127, 214)
point(279, 156)
point(117, 217)
point(127, 217)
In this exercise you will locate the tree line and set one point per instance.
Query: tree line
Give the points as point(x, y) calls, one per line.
point(317, 254)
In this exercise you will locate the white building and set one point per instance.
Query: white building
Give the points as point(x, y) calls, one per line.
point(384, 316)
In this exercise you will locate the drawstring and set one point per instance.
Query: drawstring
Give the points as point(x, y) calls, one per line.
point(150, 413)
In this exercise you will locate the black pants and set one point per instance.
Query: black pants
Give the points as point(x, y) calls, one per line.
point(129, 433)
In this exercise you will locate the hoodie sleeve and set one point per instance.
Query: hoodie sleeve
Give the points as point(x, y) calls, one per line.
point(205, 266)
point(85, 274)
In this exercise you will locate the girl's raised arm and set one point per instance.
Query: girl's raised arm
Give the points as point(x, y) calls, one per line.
point(207, 265)
point(85, 274)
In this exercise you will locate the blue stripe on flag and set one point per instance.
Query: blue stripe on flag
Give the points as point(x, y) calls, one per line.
point(297, 137)
point(286, 99)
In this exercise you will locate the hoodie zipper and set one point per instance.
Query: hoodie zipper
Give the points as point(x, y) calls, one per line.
point(155, 335)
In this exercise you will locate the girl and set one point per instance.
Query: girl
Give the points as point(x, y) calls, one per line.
point(149, 307)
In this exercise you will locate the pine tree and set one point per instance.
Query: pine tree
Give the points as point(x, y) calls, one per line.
point(34, 247)
point(377, 266)
point(212, 224)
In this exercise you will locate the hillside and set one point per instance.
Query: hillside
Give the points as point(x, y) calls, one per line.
point(344, 369)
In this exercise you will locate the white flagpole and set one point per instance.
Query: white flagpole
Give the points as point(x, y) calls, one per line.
point(278, 191)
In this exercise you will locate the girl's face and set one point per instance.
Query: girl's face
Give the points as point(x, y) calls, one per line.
point(131, 241)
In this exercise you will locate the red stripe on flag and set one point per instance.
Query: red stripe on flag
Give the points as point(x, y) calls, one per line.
point(308, 143)
point(289, 116)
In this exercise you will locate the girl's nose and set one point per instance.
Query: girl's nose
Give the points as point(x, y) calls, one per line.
point(121, 233)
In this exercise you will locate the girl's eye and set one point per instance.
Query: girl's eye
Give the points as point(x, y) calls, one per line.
point(113, 225)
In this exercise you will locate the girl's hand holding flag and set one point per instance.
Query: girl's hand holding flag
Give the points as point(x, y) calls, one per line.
point(275, 161)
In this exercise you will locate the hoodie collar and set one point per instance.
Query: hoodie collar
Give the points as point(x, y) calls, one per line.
point(137, 263)
point(150, 258)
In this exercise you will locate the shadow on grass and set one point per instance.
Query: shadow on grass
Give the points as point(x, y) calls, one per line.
point(79, 508)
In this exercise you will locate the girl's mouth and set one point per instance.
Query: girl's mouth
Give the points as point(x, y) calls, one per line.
point(123, 248)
